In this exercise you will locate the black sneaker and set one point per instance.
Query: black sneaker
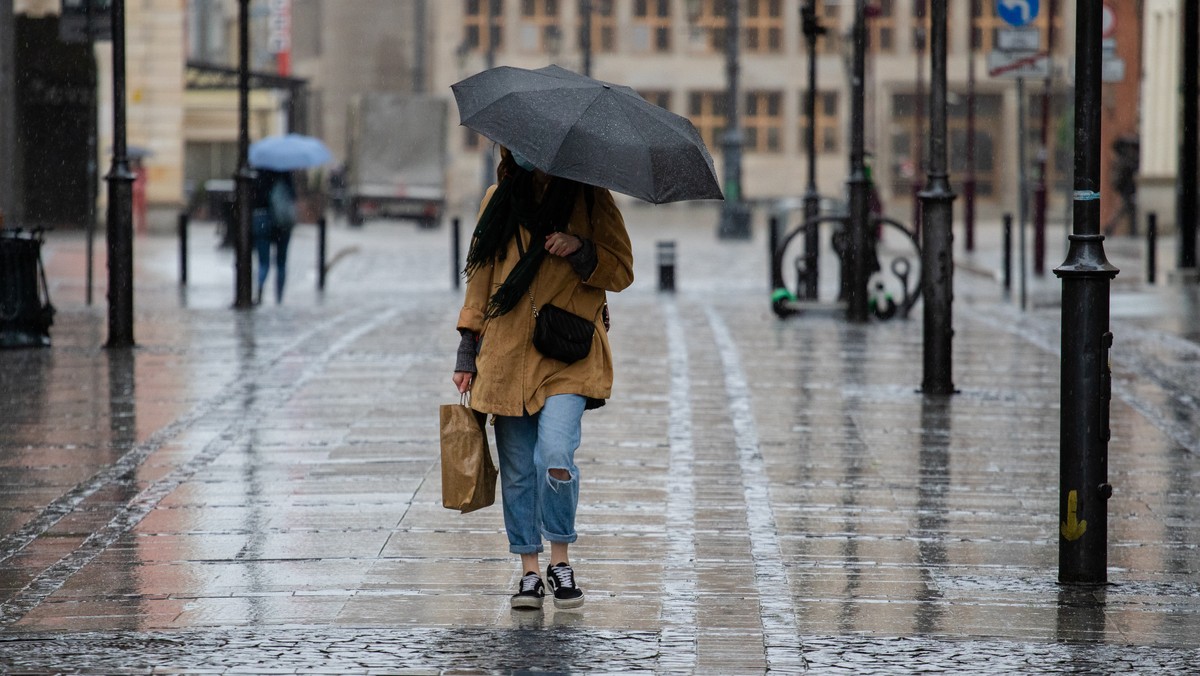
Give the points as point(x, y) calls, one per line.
point(529, 592)
point(562, 582)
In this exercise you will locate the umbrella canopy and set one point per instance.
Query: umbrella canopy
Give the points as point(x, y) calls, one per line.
point(590, 131)
point(289, 152)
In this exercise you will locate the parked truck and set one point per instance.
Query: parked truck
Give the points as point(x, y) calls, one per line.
point(396, 158)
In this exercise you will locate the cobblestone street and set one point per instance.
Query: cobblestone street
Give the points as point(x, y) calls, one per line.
point(259, 492)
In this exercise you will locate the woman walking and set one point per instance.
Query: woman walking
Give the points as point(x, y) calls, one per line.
point(540, 240)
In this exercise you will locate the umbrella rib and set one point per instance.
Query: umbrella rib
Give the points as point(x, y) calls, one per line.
point(586, 110)
point(641, 135)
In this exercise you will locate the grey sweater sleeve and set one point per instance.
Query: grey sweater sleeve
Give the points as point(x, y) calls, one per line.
point(466, 352)
point(583, 261)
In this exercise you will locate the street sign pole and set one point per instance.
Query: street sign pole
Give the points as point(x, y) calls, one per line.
point(1019, 57)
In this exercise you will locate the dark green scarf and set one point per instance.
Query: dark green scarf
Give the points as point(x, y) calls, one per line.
point(512, 206)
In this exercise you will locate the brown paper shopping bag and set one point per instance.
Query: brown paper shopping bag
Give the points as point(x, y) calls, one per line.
point(468, 473)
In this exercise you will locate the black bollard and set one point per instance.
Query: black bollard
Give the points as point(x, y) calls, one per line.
point(183, 247)
point(455, 253)
point(321, 229)
point(1151, 247)
point(774, 226)
point(666, 266)
point(1007, 254)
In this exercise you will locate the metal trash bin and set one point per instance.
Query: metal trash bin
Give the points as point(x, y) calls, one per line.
point(25, 310)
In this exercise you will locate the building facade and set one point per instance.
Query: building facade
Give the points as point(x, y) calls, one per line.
point(672, 51)
point(1160, 107)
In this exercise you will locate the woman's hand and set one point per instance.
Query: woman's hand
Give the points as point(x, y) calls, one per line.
point(562, 244)
point(462, 380)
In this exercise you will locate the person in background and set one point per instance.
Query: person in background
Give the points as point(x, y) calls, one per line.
point(1124, 181)
point(539, 240)
point(274, 217)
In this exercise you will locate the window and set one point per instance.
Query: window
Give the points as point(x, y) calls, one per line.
point(988, 120)
point(706, 110)
point(1059, 161)
point(711, 20)
point(475, 25)
point(828, 131)
point(651, 30)
point(906, 168)
point(923, 25)
point(659, 97)
point(762, 26)
point(539, 30)
point(987, 25)
point(762, 125)
point(604, 27)
point(882, 27)
point(830, 14)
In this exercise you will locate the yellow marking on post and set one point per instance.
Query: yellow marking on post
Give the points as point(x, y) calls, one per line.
point(1073, 528)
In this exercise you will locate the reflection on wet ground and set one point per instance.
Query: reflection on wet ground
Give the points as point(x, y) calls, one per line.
point(261, 488)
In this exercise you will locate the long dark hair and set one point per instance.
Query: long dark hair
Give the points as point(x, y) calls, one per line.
point(515, 204)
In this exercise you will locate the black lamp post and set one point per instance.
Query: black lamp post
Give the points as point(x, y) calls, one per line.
point(735, 215)
point(585, 35)
point(1189, 171)
point(969, 181)
point(489, 55)
point(936, 238)
point(859, 249)
point(120, 202)
point(245, 175)
point(1086, 377)
point(8, 115)
point(1043, 156)
point(918, 146)
point(812, 199)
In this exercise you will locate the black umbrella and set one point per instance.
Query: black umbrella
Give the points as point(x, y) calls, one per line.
point(591, 131)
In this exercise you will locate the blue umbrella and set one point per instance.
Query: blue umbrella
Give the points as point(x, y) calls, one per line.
point(289, 152)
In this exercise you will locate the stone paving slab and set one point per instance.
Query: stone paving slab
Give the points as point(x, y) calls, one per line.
point(260, 489)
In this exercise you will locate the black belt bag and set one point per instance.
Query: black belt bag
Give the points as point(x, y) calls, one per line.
point(561, 335)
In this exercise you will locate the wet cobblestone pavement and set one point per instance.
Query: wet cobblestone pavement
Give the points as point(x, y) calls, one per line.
point(257, 492)
point(549, 649)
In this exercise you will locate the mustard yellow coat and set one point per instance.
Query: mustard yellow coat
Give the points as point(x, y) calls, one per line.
point(513, 378)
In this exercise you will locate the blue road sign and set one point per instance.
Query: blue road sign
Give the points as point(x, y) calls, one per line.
point(1017, 12)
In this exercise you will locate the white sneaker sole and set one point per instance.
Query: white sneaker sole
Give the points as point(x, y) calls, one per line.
point(527, 602)
point(567, 604)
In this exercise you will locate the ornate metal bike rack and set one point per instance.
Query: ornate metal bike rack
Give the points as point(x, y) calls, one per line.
point(896, 258)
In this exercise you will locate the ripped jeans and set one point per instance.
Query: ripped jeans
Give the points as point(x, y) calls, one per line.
point(529, 446)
